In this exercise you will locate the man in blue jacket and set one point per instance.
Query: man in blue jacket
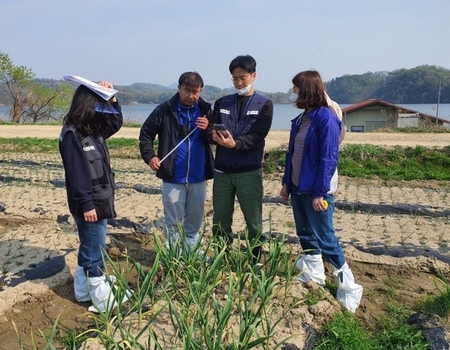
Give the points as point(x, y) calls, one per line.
point(247, 117)
point(181, 120)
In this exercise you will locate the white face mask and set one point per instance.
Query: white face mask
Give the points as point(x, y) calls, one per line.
point(244, 90)
point(293, 97)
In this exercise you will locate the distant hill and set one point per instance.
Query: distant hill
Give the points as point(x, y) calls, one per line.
point(416, 85)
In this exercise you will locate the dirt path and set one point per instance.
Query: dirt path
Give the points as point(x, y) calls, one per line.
point(274, 139)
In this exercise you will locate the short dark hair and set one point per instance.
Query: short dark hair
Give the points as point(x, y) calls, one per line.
point(246, 62)
point(191, 79)
point(311, 88)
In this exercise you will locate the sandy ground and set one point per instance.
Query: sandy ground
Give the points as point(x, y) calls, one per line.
point(379, 225)
point(274, 139)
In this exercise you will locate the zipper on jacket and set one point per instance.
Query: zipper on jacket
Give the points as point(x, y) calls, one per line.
point(188, 167)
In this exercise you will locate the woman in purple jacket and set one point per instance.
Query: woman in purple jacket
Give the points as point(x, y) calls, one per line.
point(311, 180)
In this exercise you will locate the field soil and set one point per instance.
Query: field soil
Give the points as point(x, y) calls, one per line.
point(395, 236)
point(274, 139)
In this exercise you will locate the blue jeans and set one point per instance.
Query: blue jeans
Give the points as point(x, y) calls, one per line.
point(315, 229)
point(184, 204)
point(92, 244)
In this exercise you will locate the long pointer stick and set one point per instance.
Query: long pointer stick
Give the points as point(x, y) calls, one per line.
point(173, 149)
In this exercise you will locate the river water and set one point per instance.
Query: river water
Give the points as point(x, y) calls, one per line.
point(283, 113)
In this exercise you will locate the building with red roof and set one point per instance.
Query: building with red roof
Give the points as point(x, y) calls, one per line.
point(374, 114)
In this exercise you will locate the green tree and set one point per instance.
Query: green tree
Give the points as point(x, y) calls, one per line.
point(46, 103)
point(355, 88)
point(17, 80)
point(30, 100)
point(416, 85)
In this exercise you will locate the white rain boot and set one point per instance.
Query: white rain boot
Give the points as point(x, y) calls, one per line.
point(102, 295)
point(349, 293)
point(80, 285)
point(312, 268)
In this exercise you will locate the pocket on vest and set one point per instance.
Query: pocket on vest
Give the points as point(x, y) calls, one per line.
point(96, 166)
point(103, 199)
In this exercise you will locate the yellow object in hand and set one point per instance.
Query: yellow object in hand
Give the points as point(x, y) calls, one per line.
point(325, 204)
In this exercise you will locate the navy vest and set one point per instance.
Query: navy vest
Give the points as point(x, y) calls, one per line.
point(239, 161)
point(101, 174)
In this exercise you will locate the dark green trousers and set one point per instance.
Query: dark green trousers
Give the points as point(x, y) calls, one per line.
point(248, 189)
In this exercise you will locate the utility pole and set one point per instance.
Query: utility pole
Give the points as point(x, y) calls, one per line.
point(438, 102)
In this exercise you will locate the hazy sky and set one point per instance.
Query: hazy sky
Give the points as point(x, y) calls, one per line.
point(155, 41)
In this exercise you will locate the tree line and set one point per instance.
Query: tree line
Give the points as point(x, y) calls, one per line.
point(43, 100)
point(415, 85)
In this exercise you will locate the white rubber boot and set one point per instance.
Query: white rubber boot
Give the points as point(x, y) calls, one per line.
point(312, 268)
point(80, 285)
point(349, 293)
point(102, 295)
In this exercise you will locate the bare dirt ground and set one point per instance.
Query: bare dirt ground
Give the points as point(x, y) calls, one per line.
point(396, 236)
point(275, 137)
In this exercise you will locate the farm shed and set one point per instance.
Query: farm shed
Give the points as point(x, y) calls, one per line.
point(374, 114)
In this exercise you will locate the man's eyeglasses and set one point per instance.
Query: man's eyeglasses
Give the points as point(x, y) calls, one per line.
point(195, 92)
point(241, 78)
